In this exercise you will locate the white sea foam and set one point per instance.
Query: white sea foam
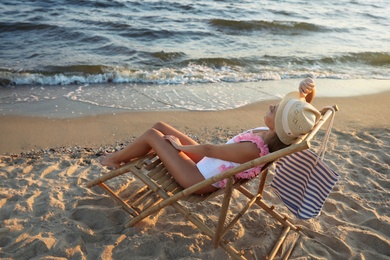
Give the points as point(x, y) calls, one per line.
point(146, 97)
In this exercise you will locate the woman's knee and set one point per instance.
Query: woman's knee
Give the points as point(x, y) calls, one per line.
point(160, 126)
point(153, 132)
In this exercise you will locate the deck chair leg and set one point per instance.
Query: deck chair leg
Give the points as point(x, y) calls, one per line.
point(205, 229)
point(270, 210)
point(240, 214)
point(292, 246)
point(117, 199)
point(262, 182)
point(224, 209)
point(279, 243)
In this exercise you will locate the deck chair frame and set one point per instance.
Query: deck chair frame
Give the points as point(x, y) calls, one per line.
point(166, 192)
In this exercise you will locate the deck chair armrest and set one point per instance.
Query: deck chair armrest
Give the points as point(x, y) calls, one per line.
point(248, 165)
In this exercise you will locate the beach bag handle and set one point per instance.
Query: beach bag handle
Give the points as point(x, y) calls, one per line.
point(322, 149)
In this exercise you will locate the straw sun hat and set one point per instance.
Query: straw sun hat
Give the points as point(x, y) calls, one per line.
point(294, 117)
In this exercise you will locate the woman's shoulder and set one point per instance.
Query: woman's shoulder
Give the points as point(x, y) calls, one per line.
point(251, 134)
point(258, 129)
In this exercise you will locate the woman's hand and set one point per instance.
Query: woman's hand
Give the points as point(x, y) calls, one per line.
point(306, 87)
point(174, 141)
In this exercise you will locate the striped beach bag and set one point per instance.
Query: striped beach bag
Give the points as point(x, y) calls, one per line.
point(303, 182)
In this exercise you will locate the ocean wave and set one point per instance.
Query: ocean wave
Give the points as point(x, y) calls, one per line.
point(168, 56)
point(281, 26)
point(175, 69)
point(97, 4)
point(381, 59)
point(24, 26)
point(192, 73)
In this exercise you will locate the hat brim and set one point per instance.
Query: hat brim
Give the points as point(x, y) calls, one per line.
point(286, 139)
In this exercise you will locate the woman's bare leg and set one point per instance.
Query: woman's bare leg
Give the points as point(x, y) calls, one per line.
point(182, 168)
point(140, 147)
point(137, 148)
point(180, 165)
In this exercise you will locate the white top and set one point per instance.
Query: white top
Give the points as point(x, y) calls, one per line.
point(210, 167)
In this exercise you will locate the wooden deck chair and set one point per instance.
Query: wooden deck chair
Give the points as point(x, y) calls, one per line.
point(161, 190)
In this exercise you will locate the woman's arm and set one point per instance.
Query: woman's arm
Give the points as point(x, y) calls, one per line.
point(235, 152)
point(309, 97)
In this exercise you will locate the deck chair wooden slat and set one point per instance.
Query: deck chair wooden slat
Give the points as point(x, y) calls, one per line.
point(151, 171)
point(137, 193)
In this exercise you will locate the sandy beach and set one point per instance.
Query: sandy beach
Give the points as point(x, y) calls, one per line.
point(48, 213)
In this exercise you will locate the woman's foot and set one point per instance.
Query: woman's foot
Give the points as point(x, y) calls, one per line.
point(107, 160)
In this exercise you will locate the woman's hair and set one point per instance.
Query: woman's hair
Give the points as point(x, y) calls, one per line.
point(274, 143)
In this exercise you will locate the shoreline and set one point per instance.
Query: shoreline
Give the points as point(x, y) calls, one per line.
point(73, 101)
point(24, 133)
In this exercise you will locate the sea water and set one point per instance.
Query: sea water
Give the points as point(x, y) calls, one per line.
point(58, 55)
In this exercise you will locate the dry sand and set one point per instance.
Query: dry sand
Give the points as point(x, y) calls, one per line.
point(47, 213)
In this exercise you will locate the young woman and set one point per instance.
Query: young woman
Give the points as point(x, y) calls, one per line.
point(190, 162)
